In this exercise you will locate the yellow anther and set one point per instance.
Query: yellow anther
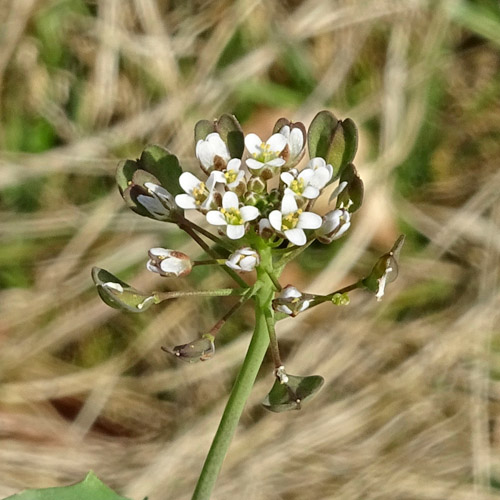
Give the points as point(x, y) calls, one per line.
point(231, 176)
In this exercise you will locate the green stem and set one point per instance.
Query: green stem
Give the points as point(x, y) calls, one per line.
point(319, 299)
point(220, 292)
point(206, 233)
point(209, 262)
point(273, 341)
point(189, 230)
point(243, 384)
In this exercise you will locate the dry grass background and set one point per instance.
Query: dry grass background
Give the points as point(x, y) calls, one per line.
point(411, 405)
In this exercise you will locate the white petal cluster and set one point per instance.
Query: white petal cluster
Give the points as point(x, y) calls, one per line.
point(232, 216)
point(245, 259)
point(159, 202)
point(199, 194)
point(291, 301)
point(265, 153)
point(334, 225)
point(291, 221)
point(309, 182)
point(212, 152)
point(295, 141)
point(232, 175)
point(236, 190)
point(168, 263)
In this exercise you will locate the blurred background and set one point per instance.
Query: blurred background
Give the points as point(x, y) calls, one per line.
point(411, 405)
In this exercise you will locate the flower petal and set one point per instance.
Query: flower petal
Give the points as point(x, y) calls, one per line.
point(248, 263)
point(252, 143)
point(249, 213)
point(317, 162)
point(173, 265)
point(235, 232)
point(230, 200)
point(296, 141)
point(287, 178)
point(277, 142)
point(309, 220)
point(311, 192)
point(151, 266)
point(205, 153)
point(215, 177)
point(288, 204)
point(188, 182)
point(296, 236)
point(159, 252)
point(218, 146)
point(234, 164)
point(321, 177)
point(253, 164)
point(275, 218)
point(185, 201)
point(277, 162)
point(215, 218)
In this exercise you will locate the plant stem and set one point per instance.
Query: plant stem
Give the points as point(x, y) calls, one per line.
point(220, 292)
point(273, 341)
point(189, 230)
point(319, 299)
point(243, 384)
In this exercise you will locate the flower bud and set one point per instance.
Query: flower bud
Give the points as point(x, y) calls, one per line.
point(201, 349)
point(335, 224)
point(168, 263)
point(245, 259)
point(291, 301)
point(148, 185)
point(256, 185)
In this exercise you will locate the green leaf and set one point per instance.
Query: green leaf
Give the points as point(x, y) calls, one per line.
point(353, 192)
point(124, 174)
point(91, 488)
point(202, 129)
point(161, 163)
point(231, 133)
point(320, 133)
point(343, 146)
point(290, 395)
point(350, 141)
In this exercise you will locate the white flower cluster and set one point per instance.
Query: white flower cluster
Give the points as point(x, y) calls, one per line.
point(235, 196)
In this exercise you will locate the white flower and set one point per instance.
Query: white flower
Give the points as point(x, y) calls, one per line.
point(309, 183)
point(334, 225)
point(159, 204)
point(319, 163)
point(231, 176)
point(198, 195)
point(212, 152)
point(295, 141)
point(291, 301)
point(265, 153)
point(168, 262)
point(291, 221)
point(244, 259)
point(232, 216)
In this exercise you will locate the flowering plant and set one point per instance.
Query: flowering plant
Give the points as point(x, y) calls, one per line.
point(260, 211)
